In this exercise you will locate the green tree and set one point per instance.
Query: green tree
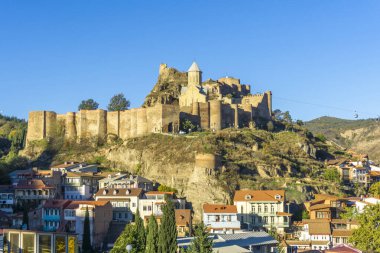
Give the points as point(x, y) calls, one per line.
point(305, 215)
point(128, 236)
point(331, 174)
point(118, 103)
point(201, 243)
point(140, 230)
point(300, 122)
point(270, 126)
point(165, 188)
point(88, 104)
point(167, 240)
point(287, 117)
point(349, 213)
point(86, 243)
point(375, 189)
point(367, 236)
point(152, 236)
point(187, 126)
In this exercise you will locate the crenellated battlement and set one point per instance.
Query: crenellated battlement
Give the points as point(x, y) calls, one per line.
point(216, 105)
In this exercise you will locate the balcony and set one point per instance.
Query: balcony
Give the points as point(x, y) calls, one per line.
point(277, 225)
point(34, 196)
point(51, 217)
point(224, 224)
point(72, 184)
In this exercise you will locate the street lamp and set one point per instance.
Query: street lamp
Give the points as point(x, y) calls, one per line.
point(129, 248)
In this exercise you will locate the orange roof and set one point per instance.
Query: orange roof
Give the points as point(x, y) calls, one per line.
point(75, 204)
point(341, 233)
point(183, 217)
point(256, 195)
point(56, 203)
point(32, 184)
point(119, 192)
point(320, 206)
point(319, 228)
point(374, 173)
point(283, 214)
point(219, 208)
point(325, 197)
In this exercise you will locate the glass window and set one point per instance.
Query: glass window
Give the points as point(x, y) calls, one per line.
point(44, 242)
point(14, 243)
point(60, 244)
point(28, 243)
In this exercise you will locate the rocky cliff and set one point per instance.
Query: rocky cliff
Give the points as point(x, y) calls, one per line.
point(168, 87)
point(246, 158)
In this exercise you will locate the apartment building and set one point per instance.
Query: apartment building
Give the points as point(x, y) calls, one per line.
point(219, 218)
point(262, 209)
point(100, 214)
point(124, 201)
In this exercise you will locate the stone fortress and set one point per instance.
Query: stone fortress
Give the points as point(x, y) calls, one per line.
point(213, 104)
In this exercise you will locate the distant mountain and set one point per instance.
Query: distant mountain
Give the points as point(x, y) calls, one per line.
point(360, 135)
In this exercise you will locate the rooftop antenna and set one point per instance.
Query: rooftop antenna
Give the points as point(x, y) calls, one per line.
point(356, 115)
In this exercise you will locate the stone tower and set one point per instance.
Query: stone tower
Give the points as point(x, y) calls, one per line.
point(194, 75)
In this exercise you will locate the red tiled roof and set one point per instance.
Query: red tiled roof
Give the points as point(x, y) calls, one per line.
point(56, 203)
point(32, 184)
point(219, 208)
point(183, 217)
point(342, 248)
point(256, 195)
point(319, 228)
point(342, 233)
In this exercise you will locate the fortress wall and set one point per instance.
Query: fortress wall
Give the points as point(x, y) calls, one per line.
point(236, 115)
point(195, 109)
point(51, 124)
point(141, 119)
point(36, 126)
point(207, 161)
point(133, 115)
point(228, 116)
point(113, 123)
point(215, 114)
point(125, 124)
point(70, 126)
point(170, 117)
point(154, 119)
point(245, 115)
point(92, 124)
point(204, 113)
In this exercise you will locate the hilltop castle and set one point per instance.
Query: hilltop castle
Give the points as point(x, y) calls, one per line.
point(213, 104)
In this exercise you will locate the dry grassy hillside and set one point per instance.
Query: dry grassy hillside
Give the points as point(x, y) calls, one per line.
point(256, 159)
point(362, 136)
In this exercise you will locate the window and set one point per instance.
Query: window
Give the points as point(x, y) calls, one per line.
point(44, 243)
point(272, 208)
point(272, 220)
point(259, 209)
point(265, 209)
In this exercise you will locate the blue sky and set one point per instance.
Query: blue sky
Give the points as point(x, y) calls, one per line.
point(317, 57)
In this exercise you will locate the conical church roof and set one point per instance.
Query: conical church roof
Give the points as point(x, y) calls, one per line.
point(194, 67)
